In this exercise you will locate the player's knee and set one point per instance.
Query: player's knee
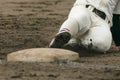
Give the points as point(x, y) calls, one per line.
point(80, 14)
point(101, 45)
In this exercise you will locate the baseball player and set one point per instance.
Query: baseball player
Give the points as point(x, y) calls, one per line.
point(116, 27)
point(88, 24)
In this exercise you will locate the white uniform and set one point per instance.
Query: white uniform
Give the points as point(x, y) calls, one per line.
point(92, 31)
point(117, 8)
point(107, 6)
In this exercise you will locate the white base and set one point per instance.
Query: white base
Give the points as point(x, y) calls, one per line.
point(42, 55)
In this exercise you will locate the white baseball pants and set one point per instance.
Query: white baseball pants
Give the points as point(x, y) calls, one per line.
point(87, 29)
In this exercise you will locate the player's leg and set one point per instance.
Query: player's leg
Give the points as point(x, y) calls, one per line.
point(98, 37)
point(116, 29)
point(78, 21)
point(116, 32)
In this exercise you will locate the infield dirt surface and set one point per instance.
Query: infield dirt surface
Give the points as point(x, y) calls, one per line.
point(28, 24)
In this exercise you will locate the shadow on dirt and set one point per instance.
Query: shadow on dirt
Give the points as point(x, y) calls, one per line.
point(83, 52)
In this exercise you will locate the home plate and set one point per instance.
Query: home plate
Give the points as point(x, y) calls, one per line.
point(42, 55)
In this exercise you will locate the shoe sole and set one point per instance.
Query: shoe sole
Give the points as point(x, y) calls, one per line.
point(60, 40)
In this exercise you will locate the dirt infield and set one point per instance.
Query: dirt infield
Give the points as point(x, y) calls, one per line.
point(32, 24)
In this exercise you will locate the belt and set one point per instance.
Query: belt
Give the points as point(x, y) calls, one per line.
point(98, 12)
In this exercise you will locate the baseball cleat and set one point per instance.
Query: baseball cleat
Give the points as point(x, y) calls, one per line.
point(60, 39)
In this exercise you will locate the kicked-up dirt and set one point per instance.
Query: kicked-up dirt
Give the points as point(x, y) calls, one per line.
point(32, 24)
